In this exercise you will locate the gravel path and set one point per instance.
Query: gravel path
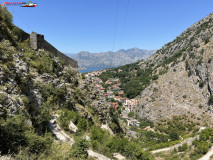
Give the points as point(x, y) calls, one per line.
point(187, 141)
point(58, 132)
point(62, 136)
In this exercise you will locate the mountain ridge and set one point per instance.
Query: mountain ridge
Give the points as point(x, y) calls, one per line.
point(176, 79)
point(111, 59)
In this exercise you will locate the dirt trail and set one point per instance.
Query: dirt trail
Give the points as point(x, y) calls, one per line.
point(187, 141)
point(58, 132)
point(62, 136)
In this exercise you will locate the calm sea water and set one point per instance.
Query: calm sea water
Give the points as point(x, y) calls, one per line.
point(91, 69)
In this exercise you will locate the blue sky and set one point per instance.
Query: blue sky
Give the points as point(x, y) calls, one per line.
point(89, 25)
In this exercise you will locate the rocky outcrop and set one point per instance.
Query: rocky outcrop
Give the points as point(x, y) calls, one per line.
point(97, 155)
point(72, 127)
point(118, 156)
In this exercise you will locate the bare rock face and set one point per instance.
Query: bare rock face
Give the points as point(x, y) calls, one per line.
point(187, 83)
point(20, 66)
point(173, 94)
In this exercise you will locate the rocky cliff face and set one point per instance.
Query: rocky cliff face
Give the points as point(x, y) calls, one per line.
point(37, 82)
point(185, 71)
point(111, 59)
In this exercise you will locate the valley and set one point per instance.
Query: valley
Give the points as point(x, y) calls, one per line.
point(156, 108)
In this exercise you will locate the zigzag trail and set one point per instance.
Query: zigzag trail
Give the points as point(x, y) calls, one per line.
point(187, 141)
point(62, 136)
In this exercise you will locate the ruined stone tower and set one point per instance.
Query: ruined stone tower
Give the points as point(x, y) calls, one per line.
point(36, 40)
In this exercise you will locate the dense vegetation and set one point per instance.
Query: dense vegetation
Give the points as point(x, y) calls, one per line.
point(199, 147)
point(203, 144)
point(100, 140)
point(133, 79)
point(104, 143)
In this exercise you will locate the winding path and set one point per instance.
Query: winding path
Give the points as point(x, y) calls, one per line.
point(187, 141)
point(62, 136)
point(58, 132)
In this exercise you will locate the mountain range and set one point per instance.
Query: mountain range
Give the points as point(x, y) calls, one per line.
point(111, 59)
point(48, 110)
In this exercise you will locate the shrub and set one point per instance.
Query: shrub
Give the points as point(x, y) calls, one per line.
point(174, 136)
point(190, 73)
point(37, 144)
point(97, 134)
point(78, 94)
point(207, 40)
point(145, 122)
point(201, 84)
point(200, 106)
point(187, 64)
point(182, 148)
point(16, 133)
point(82, 124)
point(25, 100)
point(3, 97)
point(131, 114)
point(199, 61)
point(210, 100)
point(79, 149)
point(66, 116)
point(155, 77)
point(202, 147)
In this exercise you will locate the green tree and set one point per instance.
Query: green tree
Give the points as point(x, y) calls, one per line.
point(82, 124)
point(174, 136)
point(202, 147)
point(131, 114)
point(182, 148)
point(211, 100)
point(79, 149)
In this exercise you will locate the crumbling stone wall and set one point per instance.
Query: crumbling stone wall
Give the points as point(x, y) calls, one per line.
point(38, 42)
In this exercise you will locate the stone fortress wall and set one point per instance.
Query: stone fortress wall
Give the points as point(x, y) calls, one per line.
point(38, 42)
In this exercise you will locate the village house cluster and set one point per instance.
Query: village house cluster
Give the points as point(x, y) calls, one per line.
point(114, 94)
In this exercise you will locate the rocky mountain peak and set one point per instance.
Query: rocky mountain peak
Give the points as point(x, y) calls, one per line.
point(111, 59)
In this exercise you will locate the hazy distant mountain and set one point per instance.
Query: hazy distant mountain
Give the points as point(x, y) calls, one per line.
point(70, 54)
point(112, 59)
